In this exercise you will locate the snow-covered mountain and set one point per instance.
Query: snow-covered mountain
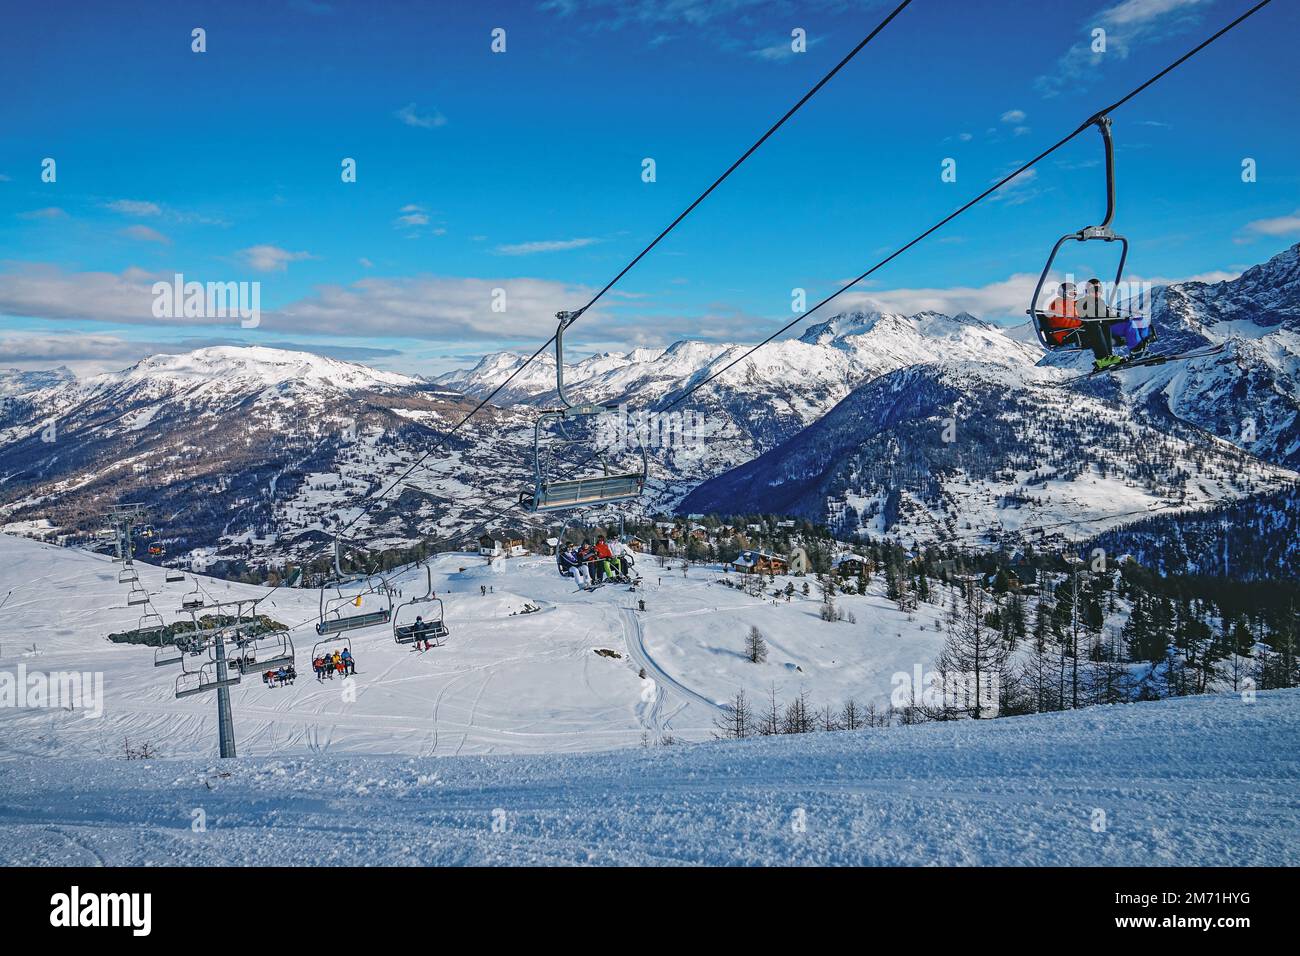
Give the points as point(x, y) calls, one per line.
point(974, 449)
point(237, 448)
point(14, 383)
point(1249, 393)
point(259, 451)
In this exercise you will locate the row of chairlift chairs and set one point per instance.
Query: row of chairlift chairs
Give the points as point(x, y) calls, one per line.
point(246, 651)
point(421, 619)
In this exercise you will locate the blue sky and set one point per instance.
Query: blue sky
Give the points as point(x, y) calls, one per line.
point(522, 170)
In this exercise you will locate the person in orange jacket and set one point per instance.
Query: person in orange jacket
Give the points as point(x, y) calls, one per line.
point(603, 557)
point(1061, 322)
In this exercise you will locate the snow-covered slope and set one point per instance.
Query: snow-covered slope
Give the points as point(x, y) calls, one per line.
point(505, 682)
point(1201, 781)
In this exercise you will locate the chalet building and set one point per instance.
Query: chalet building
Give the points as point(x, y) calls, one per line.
point(636, 544)
point(498, 544)
point(663, 546)
point(761, 562)
point(849, 565)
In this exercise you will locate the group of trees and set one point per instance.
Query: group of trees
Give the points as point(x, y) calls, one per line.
point(1081, 636)
point(800, 715)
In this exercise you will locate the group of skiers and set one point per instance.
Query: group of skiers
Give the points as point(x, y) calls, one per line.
point(1088, 321)
point(280, 676)
point(327, 664)
point(591, 565)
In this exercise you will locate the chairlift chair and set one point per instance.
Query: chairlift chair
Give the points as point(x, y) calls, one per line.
point(193, 600)
point(431, 628)
point(127, 575)
point(137, 596)
point(165, 654)
point(333, 619)
point(173, 575)
point(265, 652)
point(550, 493)
point(1052, 338)
point(205, 679)
point(327, 645)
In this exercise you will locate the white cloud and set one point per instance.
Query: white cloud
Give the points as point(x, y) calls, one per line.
point(1019, 190)
point(429, 307)
point(409, 115)
point(49, 212)
point(1127, 24)
point(48, 292)
point(1006, 297)
point(1013, 116)
point(145, 234)
point(548, 245)
point(1276, 226)
point(366, 263)
point(267, 258)
point(135, 207)
point(782, 50)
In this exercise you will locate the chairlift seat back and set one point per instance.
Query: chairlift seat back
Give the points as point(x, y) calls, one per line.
point(596, 490)
point(353, 622)
point(428, 631)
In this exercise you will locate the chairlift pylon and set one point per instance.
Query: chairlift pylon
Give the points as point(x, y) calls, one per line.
point(432, 629)
point(550, 493)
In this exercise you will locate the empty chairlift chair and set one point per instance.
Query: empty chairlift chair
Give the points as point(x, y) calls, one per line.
point(205, 679)
point(137, 596)
point(336, 618)
point(551, 493)
point(174, 575)
point(263, 652)
point(127, 575)
point(421, 618)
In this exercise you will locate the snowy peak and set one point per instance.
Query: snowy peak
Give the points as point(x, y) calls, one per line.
point(248, 369)
point(15, 382)
point(1266, 296)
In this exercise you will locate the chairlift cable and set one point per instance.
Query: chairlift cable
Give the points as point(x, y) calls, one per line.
point(749, 152)
point(1085, 125)
point(1090, 121)
point(545, 345)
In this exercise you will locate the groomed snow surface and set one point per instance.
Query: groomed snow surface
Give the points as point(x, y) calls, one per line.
point(1208, 781)
point(500, 747)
